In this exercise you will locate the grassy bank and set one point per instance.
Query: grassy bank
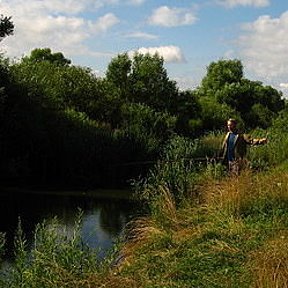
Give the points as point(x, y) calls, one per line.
point(235, 236)
point(203, 229)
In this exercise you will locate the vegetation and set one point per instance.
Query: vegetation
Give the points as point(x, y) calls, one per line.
point(80, 129)
point(62, 124)
point(6, 26)
point(202, 229)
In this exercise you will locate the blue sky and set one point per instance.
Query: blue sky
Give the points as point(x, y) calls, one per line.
point(188, 34)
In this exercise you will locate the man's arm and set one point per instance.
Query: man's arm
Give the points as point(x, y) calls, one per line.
point(255, 141)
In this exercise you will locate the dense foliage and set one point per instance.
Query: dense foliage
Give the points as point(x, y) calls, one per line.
point(61, 125)
point(222, 233)
point(64, 126)
point(253, 103)
point(6, 26)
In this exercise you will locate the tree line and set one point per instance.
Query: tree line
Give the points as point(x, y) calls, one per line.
point(61, 125)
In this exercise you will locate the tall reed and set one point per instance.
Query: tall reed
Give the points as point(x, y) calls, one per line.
point(56, 258)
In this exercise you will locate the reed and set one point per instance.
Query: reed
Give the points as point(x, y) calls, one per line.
point(56, 258)
point(248, 194)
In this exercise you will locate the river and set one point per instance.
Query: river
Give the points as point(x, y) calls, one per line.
point(105, 213)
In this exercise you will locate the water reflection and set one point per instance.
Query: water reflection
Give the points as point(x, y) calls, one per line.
point(103, 218)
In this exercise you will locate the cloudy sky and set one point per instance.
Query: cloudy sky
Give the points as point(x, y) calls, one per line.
point(189, 34)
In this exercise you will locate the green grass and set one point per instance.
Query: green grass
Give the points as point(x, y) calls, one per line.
point(214, 244)
point(57, 258)
point(222, 232)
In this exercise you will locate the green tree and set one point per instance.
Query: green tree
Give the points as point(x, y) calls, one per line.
point(147, 126)
point(221, 73)
point(118, 73)
point(143, 79)
point(150, 83)
point(45, 54)
point(214, 114)
point(226, 84)
point(6, 26)
point(59, 86)
point(188, 111)
point(261, 116)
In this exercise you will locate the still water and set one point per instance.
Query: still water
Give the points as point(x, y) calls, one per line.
point(105, 214)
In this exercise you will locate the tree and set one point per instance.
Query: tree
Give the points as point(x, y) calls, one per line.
point(214, 115)
point(118, 73)
point(226, 84)
point(143, 79)
point(57, 85)
point(261, 116)
point(188, 110)
point(6, 26)
point(221, 73)
point(146, 125)
point(150, 83)
point(45, 54)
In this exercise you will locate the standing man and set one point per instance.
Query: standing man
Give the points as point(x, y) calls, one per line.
point(234, 147)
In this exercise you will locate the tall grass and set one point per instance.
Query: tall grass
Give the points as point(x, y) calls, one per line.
point(249, 193)
point(178, 167)
point(56, 258)
point(224, 240)
point(269, 263)
point(2, 244)
point(204, 229)
point(276, 151)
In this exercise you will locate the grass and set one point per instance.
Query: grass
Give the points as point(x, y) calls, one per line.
point(233, 238)
point(269, 263)
point(222, 232)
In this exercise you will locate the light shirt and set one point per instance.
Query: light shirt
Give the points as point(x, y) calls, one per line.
point(230, 146)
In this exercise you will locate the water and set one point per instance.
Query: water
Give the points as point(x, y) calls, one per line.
point(105, 214)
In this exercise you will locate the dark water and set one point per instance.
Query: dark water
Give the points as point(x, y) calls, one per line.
point(105, 214)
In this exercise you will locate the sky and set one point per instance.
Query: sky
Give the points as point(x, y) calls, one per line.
point(189, 34)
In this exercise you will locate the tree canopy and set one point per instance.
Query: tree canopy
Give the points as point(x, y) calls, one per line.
point(225, 83)
point(45, 54)
point(63, 124)
point(6, 26)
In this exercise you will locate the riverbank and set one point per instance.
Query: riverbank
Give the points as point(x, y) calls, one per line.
point(233, 234)
point(97, 193)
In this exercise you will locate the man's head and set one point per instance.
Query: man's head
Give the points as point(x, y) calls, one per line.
point(232, 125)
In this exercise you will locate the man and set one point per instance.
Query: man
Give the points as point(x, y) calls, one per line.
point(234, 147)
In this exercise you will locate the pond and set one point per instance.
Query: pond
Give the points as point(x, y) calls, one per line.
point(105, 214)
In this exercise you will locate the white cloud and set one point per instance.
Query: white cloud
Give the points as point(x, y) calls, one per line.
point(35, 7)
point(54, 24)
point(172, 17)
point(229, 54)
point(104, 23)
point(185, 83)
point(142, 35)
point(284, 88)
point(263, 48)
point(169, 53)
point(234, 3)
point(136, 2)
point(284, 85)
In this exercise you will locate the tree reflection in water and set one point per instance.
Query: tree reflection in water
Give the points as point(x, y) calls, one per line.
point(103, 218)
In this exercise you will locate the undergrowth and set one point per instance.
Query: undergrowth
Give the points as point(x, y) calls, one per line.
point(215, 243)
point(204, 229)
